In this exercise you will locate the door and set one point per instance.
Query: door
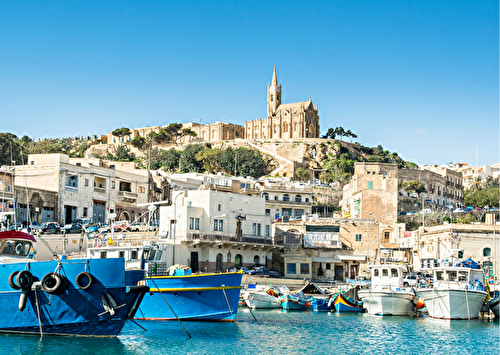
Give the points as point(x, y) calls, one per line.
point(339, 273)
point(194, 261)
point(98, 212)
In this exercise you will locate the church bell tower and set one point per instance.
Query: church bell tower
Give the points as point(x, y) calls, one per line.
point(273, 95)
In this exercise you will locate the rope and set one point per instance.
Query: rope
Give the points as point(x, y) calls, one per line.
point(168, 304)
point(227, 301)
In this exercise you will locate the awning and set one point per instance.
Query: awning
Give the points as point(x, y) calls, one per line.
point(352, 257)
point(325, 260)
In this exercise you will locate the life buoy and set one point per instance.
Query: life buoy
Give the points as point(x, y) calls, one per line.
point(54, 283)
point(97, 242)
point(24, 280)
point(12, 282)
point(84, 280)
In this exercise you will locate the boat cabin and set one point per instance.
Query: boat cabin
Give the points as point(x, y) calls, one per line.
point(15, 245)
point(458, 275)
point(387, 275)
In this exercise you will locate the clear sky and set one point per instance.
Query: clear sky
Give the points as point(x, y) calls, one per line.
point(420, 78)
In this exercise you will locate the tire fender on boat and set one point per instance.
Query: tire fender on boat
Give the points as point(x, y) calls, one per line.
point(24, 280)
point(54, 283)
point(12, 281)
point(84, 280)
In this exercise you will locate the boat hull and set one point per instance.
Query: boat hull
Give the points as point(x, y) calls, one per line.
point(387, 302)
point(292, 303)
point(203, 297)
point(493, 305)
point(343, 304)
point(75, 311)
point(453, 304)
point(261, 300)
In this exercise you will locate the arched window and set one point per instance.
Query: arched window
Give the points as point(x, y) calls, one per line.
point(286, 197)
point(256, 260)
point(285, 127)
point(298, 198)
point(296, 125)
point(266, 196)
point(276, 129)
point(238, 260)
point(218, 263)
point(487, 252)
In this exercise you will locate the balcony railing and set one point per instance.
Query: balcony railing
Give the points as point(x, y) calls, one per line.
point(228, 238)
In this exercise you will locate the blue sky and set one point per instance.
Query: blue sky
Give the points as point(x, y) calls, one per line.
point(418, 77)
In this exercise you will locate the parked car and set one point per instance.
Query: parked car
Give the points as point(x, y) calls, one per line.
point(458, 210)
point(410, 280)
point(411, 213)
point(93, 228)
point(402, 213)
point(72, 228)
point(50, 228)
point(261, 271)
point(34, 226)
point(15, 226)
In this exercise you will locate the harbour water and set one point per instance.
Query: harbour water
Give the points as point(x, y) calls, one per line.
point(277, 331)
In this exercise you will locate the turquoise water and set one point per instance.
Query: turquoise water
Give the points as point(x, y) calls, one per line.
point(278, 332)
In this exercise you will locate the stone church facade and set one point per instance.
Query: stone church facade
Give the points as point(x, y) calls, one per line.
point(284, 121)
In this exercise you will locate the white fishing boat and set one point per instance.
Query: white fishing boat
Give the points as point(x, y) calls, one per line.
point(458, 293)
point(263, 297)
point(386, 294)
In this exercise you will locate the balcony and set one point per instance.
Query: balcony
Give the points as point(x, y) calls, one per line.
point(228, 238)
point(126, 196)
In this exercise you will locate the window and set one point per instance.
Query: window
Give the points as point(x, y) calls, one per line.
point(358, 237)
point(72, 181)
point(385, 272)
point(376, 273)
point(460, 254)
point(296, 127)
point(267, 230)
point(298, 198)
point(133, 255)
point(216, 224)
point(304, 268)
point(268, 212)
point(369, 185)
point(487, 252)
point(197, 223)
point(85, 211)
point(141, 189)
point(328, 266)
point(191, 222)
point(218, 207)
point(258, 229)
point(254, 228)
point(86, 182)
point(113, 185)
point(266, 196)
point(286, 197)
point(387, 235)
point(121, 254)
point(394, 272)
point(291, 268)
point(221, 225)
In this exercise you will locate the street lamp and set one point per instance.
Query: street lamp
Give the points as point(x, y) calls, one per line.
point(367, 241)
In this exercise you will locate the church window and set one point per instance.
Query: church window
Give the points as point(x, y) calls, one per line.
point(272, 98)
point(276, 129)
point(296, 125)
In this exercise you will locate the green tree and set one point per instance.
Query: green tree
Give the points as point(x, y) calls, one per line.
point(188, 161)
point(302, 174)
point(414, 186)
point(123, 154)
point(121, 132)
point(11, 145)
point(209, 159)
point(169, 159)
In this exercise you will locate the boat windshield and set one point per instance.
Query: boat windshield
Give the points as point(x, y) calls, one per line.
point(451, 275)
point(14, 247)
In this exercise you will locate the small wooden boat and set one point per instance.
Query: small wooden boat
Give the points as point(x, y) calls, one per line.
point(344, 303)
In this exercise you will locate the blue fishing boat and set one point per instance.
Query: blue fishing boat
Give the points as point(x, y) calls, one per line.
point(204, 297)
point(297, 302)
point(82, 297)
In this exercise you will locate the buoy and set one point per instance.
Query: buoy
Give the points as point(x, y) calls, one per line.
point(420, 303)
point(23, 299)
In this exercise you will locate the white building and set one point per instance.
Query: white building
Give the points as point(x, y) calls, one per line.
point(83, 188)
point(216, 230)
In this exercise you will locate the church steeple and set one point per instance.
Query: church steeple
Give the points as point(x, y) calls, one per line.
point(273, 95)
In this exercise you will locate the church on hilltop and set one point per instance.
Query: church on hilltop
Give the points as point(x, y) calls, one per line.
point(284, 121)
